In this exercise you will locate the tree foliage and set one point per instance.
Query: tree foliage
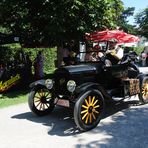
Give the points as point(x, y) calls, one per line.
point(50, 22)
point(142, 20)
point(124, 23)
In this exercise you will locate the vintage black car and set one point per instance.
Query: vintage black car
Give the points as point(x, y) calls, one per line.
point(86, 87)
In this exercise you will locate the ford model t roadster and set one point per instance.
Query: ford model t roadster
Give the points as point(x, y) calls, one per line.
point(86, 87)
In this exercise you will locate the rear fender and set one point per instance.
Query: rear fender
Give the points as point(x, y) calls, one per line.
point(141, 76)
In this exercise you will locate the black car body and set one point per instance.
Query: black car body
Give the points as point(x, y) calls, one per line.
point(86, 87)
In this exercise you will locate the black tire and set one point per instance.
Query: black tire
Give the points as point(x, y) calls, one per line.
point(89, 109)
point(143, 95)
point(40, 101)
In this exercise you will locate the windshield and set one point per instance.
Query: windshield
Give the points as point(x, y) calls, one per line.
point(92, 53)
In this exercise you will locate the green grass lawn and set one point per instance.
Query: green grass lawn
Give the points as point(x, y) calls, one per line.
point(13, 97)
point(17, 95)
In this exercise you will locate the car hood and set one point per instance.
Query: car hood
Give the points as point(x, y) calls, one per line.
point(77, 69)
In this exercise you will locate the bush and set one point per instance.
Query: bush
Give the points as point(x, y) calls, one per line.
point(138, 49)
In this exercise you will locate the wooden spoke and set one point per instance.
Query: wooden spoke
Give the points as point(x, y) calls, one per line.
point(43, 92)
point(39, 93)
point(48, 98)
point(96, 106)
point(84, 111)
point(43, 106)
point(90, 118)
point(93, 116)
point(47, 105)
point(46, 95)
point(86, 121)
point(37, 100)
point(145, 90)
point(95, 102)
point(38, 104)
point(93, 99)
point(86, 107)
point(37, 97)
point(96, 111)
point(86, 114)
point(86, 102)
point(89, 100)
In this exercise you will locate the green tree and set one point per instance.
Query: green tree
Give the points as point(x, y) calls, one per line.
point(51, 22)
point(124, 23)
point(142, 20)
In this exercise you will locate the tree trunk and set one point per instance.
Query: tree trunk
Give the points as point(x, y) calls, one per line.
point(59, 56)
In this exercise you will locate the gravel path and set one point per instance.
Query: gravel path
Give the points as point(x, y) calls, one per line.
point(122, 127)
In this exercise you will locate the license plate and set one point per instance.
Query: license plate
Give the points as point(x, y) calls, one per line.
point(62, 102)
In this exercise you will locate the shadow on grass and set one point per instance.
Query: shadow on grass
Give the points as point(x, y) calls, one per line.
point(61, 121)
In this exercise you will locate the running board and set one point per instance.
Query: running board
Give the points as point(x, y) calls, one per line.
point(118, 98)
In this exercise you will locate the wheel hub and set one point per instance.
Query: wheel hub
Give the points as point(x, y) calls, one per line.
point(90, 109)
point(43, 99)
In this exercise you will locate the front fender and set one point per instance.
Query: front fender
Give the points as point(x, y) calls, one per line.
point(37, 83)
point(85, 86)
point(90, 85)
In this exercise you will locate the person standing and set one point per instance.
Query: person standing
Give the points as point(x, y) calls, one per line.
point(66, 53)
point(144, 56)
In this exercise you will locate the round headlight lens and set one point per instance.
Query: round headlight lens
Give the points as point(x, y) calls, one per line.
point(71, 85)
point(49, 83)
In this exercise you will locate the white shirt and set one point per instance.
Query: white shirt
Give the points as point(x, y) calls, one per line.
point(119, 53)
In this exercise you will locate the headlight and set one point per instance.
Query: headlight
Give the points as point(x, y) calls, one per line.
point(71, 85)
point(49, 83)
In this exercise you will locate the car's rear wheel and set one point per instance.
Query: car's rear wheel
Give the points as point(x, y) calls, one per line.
point(41, 101)
point(89, 109)
point(143, 95)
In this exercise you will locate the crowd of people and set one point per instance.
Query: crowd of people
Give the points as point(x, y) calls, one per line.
point(24, 65)
point(112, 56)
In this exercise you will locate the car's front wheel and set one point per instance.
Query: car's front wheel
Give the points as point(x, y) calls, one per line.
point(41, 101)
point(89, 109)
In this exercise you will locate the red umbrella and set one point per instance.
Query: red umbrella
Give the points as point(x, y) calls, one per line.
point(105, 35)
point(120, 36)
point(129, 38)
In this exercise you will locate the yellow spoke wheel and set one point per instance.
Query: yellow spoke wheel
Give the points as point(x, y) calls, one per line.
point(145, 91)
point(41, 101)
point(89, 109)
point(143, 96)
